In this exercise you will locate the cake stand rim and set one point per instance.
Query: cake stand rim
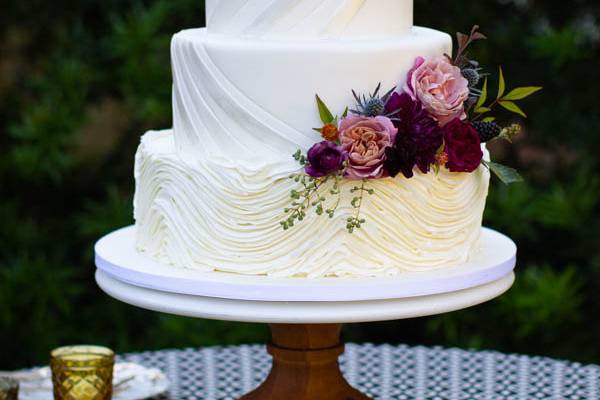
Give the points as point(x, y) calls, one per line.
point(301, 312)
point(117, 256)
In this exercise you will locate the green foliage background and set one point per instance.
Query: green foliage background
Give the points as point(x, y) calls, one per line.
point(81, 81)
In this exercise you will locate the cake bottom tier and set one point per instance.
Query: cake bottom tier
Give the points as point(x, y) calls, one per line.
point(216, 215)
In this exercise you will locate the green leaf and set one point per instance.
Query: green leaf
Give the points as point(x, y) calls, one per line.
point(483, 96)
point(522, 92)
point(316, 130)
point(501, 84)
point(482, 110)
point(345, 114)
point(506, 174)
point(512, 107)
point(326, 115)
point(489, 119)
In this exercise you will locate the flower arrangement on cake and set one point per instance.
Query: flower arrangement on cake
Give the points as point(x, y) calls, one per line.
point(438, 119)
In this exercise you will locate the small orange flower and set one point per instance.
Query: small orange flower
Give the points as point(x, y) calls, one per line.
point(441, 158)
point(330, 132)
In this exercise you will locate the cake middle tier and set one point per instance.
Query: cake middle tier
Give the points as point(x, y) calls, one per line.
point(215, 214)
point(255, 99)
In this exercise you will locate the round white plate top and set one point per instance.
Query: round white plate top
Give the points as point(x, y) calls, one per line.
point(116, 256)
point(298, 312)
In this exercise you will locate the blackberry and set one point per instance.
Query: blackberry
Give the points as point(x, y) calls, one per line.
point(472, 75)
point(487, 130)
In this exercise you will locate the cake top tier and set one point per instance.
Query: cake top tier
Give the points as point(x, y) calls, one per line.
point(310, 19)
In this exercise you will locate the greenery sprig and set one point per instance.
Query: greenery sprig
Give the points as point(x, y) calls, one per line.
point(464, 41)
point(507, 101)
point(303, 199)
point(313, 195)
point(335, 191)
point(356, 221)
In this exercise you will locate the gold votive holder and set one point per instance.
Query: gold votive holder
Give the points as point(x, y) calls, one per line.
point(9, 389)
point(82, 373)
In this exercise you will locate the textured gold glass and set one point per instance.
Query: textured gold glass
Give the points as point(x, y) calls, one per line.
point(9, 389)
point(82, 373)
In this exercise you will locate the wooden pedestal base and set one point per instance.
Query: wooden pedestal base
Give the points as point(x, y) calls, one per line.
point(305, 365)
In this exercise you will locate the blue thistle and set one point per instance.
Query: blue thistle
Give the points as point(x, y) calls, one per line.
point(371, 106)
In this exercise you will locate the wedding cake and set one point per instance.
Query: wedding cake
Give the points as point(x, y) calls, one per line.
point(213, 191)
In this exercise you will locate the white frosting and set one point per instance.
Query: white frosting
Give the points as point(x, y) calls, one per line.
point(254, 100)
point(308, 19)
point(210, 193)
point(215, 214)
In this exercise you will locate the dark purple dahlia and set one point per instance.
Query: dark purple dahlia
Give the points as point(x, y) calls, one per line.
point(418, 140)
point(324, 158)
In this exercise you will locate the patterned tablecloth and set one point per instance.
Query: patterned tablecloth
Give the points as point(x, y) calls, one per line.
point(385, 372)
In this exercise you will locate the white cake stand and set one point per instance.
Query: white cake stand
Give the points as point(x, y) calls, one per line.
point(305, 315)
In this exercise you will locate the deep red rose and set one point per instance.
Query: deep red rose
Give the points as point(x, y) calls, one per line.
point(463, 146)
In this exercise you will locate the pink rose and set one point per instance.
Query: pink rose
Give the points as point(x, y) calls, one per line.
point(365, 139)
point(440, 87)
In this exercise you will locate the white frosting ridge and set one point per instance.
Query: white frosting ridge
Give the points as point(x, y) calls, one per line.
point(217, 214)
point(253, 100)
point(217, 116)
point(306, 19)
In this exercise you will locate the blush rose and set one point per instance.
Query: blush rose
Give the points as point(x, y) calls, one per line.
point(364, 140)
point(440, 87)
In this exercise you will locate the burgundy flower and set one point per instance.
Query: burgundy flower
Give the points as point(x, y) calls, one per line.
point(324, 159)
point(418, 140)
point(463, 146)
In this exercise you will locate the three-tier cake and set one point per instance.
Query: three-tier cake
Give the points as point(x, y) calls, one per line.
point(210, 192)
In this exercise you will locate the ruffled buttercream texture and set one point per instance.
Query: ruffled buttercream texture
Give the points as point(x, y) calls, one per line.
point(213, 214)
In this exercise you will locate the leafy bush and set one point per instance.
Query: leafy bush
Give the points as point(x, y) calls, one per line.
point(80, 81)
